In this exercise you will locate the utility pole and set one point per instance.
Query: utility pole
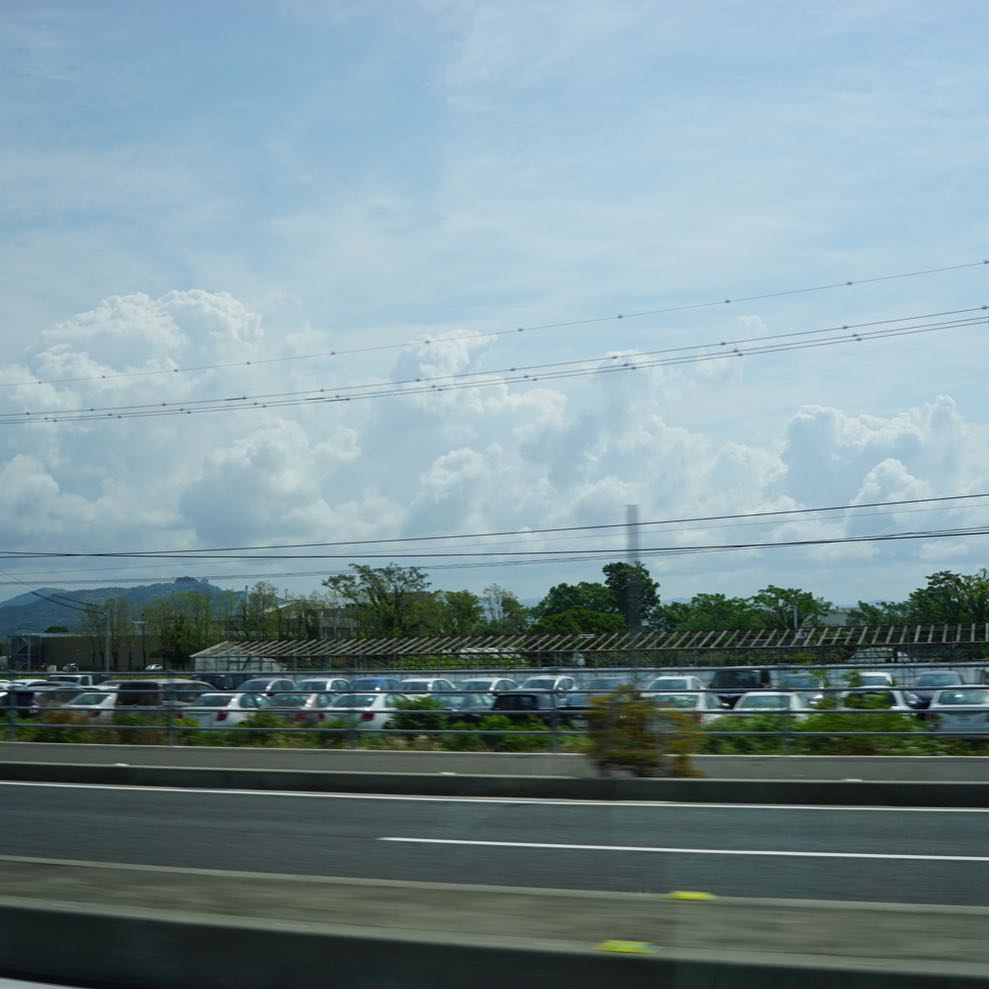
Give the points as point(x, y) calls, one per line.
point(633, 612)
point(106, 650)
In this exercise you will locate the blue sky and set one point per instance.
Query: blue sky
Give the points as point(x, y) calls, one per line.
point(195, 184)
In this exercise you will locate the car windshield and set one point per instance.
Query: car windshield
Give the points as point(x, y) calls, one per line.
point(670, 683)
point(604, 683)
point(313, 685)
point(765, 701)
point(416, 686)
point(937, 679)
point(736, 678)
point(476, 684)
point(214, 700)
point(354, 700)
point(963, 697)
point(799, 680)
point(255, 685)
point(370, 683)
point(88, 699)
point(289, 700)
point(539, 683)
point(682, 701)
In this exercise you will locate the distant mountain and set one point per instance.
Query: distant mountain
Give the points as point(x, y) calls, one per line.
point(47, 606)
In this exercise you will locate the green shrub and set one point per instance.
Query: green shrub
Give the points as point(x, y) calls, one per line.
point(67, 727)
point(628, 732)
point(514, 735)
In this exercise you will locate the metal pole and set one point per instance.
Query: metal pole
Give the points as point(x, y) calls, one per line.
point(632, 598)
point(106, 651)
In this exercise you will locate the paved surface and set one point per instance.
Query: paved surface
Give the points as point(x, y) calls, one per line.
point(898, 768)
point(908, 856)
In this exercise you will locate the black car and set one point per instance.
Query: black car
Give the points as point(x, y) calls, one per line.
point(920, 695)
point(731, 682)
point(545, 705)
point(443, 710)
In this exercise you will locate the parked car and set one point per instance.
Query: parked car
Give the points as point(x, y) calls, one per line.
point(542, 703)
point(31, 701)
point(731, 682)
point(160, 693)
point(667, 682)
point(445, 710)
point(549, 682)
point(874, 699)
point(269, 686)
point(704, 706)
point(489, 684)
point(811, 688)
point(98, 705)
point(425, 685)
point(920, 695)
point(362, 685)
point(80, 679)
point(224, 710)
point(960, 709)
point(370, 711)
point(329, 684)
point(771, 702)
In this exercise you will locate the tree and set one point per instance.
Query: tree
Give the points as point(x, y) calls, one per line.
point(107, 623)
point(179, 625)
point(576, 620)
point(709, 611)
point(384, 597)
point(777, 605)
point(563, 597)
point(883, 613)
point(950, 597)
point(461, 612)
point(504, 613)
point(634, 592)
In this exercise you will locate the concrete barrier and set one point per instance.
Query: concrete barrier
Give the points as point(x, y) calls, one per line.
point(249, 930)
point(818, 792)
point(914, 769)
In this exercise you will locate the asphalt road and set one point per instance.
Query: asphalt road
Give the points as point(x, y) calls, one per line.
point(885, 855)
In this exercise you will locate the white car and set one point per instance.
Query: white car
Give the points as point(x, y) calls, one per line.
point(548, 682)
point(960, 709)
point(220, 710)
point(336, 685)
point(426, 685)
point(488, 684)
point(705, 706)
point(678, 682)
point(874, 699)
point(367, 712)
point(98, 704)
point(771, 702)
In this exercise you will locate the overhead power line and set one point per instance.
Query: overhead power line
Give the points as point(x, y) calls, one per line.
point(237, 552)
point(529, 374)
point(533, 328)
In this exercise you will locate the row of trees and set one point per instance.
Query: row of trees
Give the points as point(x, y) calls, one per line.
point(395, 600)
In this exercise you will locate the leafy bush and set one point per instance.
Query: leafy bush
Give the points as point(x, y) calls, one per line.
point(821, 734)
point(629, 733)
point(514, 734)
point(65, 726)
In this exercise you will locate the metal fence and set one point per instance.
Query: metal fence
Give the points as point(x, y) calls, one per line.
point(332, 719)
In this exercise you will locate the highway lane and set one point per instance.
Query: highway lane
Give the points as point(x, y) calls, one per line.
point(882, 854)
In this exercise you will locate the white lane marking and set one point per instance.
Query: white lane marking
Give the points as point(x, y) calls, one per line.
point(693, 851)
point(551, 801)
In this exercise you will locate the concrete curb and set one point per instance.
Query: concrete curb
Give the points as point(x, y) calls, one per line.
point(806, 792)
point(137, 949)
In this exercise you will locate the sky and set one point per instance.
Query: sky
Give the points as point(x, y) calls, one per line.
point(208, 202)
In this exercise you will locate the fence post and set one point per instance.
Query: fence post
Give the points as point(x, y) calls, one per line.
point(11, 721)
point(171, 724)
point(786, 731)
